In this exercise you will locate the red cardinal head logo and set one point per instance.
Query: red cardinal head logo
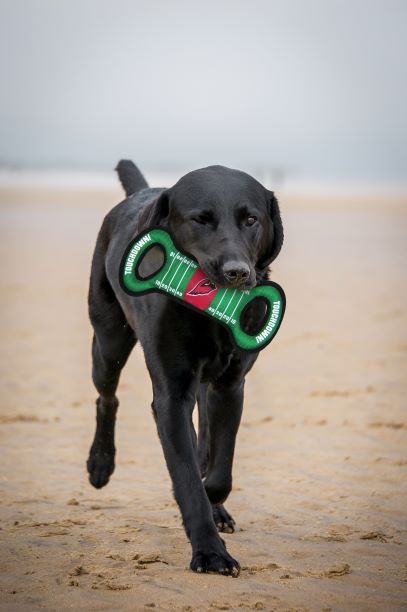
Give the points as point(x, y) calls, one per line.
point(202, 287)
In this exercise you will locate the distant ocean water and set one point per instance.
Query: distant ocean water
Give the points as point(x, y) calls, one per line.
point(291, 185)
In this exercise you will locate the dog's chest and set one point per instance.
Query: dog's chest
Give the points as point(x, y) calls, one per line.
point(217, 354)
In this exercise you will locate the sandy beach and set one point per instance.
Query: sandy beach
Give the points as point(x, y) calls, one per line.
point(320, 493)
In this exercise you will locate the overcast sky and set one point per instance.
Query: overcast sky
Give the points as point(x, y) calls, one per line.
point(315, 87)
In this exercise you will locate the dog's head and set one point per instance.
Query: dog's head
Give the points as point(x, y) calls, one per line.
point(226, 219)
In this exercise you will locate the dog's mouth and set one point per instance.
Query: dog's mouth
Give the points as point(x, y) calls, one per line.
point(219, 280)
point(241, 286)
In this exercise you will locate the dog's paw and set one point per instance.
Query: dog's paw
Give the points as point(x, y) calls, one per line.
point(214, 558)
point(223, 521)
point(100, 466)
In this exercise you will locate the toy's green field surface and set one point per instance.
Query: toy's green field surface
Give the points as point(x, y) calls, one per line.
point(181, 278)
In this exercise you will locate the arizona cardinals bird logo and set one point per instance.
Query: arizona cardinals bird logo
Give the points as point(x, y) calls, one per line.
point(202, 287)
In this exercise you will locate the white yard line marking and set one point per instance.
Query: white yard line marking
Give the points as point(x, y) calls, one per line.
point(220, 302)
point(163, 279)
point(175, 274)
point(182, 277)
point(234, 310)
point(224, 312)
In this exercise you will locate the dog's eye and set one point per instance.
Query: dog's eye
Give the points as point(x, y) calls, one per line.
point(203, 219)
point(251, 220)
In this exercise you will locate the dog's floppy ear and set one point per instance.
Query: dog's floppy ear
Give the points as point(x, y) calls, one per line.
point(156, 212)
point(273, 241)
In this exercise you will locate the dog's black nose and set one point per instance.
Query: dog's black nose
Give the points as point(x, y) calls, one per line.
point(236, 271)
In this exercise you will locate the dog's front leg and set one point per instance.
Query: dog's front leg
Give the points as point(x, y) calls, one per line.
point(174, 399)
point(224, 411)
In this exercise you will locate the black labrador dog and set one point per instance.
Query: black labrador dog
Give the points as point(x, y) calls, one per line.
point(232, 225)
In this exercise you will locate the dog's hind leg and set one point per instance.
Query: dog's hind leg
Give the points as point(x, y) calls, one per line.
point(109, 357)
point(113, 342)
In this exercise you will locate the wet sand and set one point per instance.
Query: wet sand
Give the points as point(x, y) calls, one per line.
point(320, 489)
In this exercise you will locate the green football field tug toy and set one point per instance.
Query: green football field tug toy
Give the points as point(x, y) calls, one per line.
point(181, 278)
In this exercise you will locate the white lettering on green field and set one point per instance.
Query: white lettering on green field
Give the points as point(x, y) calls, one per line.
point(270, 325)
point(133, 253)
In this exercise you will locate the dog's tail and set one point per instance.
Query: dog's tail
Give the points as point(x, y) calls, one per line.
point(130, 176)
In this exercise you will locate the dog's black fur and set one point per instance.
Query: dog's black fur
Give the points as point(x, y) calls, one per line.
point(232, 225)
